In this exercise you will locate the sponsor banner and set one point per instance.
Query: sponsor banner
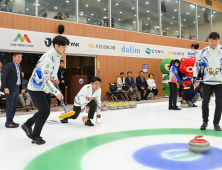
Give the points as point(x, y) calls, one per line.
point(41, 42)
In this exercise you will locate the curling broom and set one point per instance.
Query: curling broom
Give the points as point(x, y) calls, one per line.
point(66, 114)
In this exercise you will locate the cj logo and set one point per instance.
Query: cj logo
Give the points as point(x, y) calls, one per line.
point(91, 45)
point(48, 42)
point(22, 39)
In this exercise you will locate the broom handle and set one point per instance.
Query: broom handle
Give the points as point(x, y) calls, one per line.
point(63, 104)
point(208, 81)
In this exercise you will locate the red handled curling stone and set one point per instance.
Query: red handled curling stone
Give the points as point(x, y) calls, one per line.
point(104, 108)
point(199, 145)
point(184, 105)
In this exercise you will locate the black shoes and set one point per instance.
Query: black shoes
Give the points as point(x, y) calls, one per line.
point(146, 98)
point(12, 125)
point(89, 123)
point(176, 108)
point(129, 99)
point(170, 107)
point(142, 99)
point(194, 105)
point(28, 130)
point(64, 120)
point(38, 140)
point(204, 125)
point(217, 127)
point(137, 99)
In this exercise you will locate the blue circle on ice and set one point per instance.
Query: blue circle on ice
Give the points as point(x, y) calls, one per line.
point(177, 156)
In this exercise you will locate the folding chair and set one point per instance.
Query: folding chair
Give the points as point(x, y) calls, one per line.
point(113, 93)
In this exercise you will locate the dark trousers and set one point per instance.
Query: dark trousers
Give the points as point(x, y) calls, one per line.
point(11, 104)
point(142, 92)
point(92, 104)
point(155, 91)
point(42, 102)
point(181, 90)
point(62, 88)
point(173, 95)
point(207, 92)
point(201, 84)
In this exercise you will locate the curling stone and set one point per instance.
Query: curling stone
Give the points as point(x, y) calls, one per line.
point(119, 106)
point(113, 107)
point(199, 145)
point(87, 109)
point(109, 105)
point(184, 105)
point(199, 99)
point(104, 108)
point(133, 105)
point(126, 105)
point(179, 99)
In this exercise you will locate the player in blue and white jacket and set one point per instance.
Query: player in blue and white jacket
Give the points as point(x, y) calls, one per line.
point(211, 57)
point(173, 84)
point(40, 88)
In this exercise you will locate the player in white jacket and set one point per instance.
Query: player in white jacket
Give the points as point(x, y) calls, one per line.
point(85, 98)
point(211, 57)
point(40, 88)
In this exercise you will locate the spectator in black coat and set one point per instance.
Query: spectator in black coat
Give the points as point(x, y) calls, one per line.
point(12, 86)
point(131, 86)
point(62, 76)
point(142, 86)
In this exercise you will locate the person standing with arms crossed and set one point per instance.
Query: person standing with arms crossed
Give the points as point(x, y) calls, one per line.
point(211, 57)
point(62, 75)
point(40, 88)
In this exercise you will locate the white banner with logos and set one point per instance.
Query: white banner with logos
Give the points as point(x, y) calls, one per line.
point(30, 41)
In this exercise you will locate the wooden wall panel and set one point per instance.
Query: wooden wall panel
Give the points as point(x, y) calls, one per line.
point(51, 26)
point(22, 22)
point(7, 20)
point(37, 24)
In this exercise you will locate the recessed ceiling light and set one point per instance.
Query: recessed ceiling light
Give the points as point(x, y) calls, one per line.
point(27, 9)
point(147, 2)
point(161, 14)
point(81, 14)
point(67, 1)
point(147, 11)
point(120, 12)
point(118, 19)
point(167, 28)
point(117, 4)
point(181, 25)
point(173, 17)
point(98, 0)
point(187, 13)
point(212, 15)
point(104, 17)
point(175, 9)
point(198, 16)
point(214, 12)
point(104, 9)
point(55, 7)
point(92, 14)
point(203, 9)
point(133, 8)
point(87, 5)
point(88, 19)
point(134, 15)
point(134, 22)
point(177, 31)
point(171, 23)
point(184, 19)
point(148, 18)
point(146, 24)
point(194, 22)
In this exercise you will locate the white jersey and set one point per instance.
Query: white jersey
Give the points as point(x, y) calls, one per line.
point(46, 68)
point(85, 95)
point(212, 60)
